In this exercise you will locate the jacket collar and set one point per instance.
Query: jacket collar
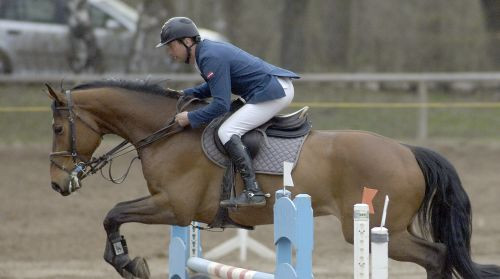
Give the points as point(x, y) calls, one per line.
point(197, 52)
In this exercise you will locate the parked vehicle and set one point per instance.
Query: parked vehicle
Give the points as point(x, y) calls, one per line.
point(34, 35)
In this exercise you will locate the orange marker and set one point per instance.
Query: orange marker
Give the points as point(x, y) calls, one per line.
point(368, 195)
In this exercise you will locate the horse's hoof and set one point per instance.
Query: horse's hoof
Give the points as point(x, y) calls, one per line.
point(139, 268)
point(127, 275)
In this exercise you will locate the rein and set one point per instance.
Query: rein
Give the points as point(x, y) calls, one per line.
point(97, 164)
point(83, 168)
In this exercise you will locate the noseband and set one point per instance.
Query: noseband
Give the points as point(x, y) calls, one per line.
point(83, 168)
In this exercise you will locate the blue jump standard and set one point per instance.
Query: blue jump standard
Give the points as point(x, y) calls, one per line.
point(293, 229)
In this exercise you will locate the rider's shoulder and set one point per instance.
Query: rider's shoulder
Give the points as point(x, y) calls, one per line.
point(215, 51)
point(214, 48)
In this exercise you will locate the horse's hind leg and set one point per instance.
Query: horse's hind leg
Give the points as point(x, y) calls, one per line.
point(146, 210)
point(408, 248)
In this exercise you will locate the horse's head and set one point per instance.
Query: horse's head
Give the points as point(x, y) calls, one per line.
point(75, 138)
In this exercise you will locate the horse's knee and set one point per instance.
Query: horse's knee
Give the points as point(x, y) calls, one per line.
point(110, 222)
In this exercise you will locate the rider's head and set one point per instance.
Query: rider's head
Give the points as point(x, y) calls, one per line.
point(180, 34)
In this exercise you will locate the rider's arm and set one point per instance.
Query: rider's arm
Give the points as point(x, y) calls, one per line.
point(219, 84)
point(201, 91)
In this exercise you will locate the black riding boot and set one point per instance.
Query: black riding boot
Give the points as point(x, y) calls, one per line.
point(252, 195)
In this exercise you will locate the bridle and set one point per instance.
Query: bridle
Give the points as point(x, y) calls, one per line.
point(83, 168)
point(80, 164)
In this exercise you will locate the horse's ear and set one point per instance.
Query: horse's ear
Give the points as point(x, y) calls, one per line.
point(52, 94)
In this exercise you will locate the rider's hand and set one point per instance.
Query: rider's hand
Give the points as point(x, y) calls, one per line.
point(182, 119)
point(179, 92)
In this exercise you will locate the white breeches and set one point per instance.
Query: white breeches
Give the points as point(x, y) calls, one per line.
point(251, 116)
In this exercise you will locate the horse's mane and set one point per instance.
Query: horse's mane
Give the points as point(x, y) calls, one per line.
point(144, 86)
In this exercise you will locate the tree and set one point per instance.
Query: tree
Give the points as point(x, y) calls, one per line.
point(293, 34)
point(84, 53)
point(491, 11)
point(145, 23)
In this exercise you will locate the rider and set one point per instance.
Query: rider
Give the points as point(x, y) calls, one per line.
point(227, 69)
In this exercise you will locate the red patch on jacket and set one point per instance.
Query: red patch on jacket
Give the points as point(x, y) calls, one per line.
point(210, 75)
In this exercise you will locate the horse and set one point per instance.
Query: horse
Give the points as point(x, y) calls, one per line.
point(333, 168)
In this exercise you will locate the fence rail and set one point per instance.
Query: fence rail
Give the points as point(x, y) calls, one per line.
point(306, 77)
point(338, 105)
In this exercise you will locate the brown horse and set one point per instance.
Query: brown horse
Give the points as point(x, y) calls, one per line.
point(333, 168)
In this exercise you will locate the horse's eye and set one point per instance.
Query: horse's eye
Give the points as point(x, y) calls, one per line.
point(58, 130)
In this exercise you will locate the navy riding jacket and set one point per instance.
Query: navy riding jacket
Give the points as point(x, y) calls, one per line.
point(225, 69)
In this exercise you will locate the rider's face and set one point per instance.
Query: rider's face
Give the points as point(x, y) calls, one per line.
point(176, 51)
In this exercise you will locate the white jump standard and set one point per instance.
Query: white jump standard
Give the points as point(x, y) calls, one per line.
point(379, 244)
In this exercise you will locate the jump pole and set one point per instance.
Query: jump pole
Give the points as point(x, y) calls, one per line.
point(219, 270)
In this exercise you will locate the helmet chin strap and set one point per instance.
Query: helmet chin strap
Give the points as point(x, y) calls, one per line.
point(188, 49)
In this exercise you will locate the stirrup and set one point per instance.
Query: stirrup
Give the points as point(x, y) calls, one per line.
point(248, 195)
point(251, 194)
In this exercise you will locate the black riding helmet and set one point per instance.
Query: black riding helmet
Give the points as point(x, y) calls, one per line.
point(178, 28)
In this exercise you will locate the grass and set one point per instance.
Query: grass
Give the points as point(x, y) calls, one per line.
point(480, 123)
point(24, 127)
point(401, 123)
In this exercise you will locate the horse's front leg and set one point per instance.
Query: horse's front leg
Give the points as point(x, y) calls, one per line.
point(148, 210)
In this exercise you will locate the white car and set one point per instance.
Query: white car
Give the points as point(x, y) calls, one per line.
point(34, 36)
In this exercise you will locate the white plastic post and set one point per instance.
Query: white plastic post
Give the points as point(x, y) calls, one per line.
point(384, 213)
point(243, 236)
point(194, 240)
point(361, 241)
point(380, 260)
point(287, 175)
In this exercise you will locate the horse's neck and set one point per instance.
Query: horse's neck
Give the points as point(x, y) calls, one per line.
point(129, 115)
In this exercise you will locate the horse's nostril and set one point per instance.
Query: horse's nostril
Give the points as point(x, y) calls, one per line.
point(56, 187)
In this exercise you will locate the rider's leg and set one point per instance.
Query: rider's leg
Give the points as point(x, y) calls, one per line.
point(248, 117)
point(252, 194)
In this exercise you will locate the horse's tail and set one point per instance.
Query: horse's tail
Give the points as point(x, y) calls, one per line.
point(445, 216)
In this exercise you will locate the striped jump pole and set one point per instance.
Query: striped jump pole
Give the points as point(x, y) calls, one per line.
point(293, 229)
point(201, 265)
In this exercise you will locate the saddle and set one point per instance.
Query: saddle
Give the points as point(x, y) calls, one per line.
point(289, 126)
